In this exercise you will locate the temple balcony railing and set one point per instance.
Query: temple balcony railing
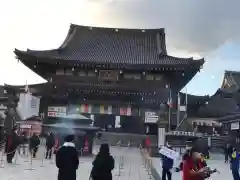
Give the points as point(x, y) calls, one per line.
point(141, 83)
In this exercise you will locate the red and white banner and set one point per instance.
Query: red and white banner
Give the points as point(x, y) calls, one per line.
point(125, 111)
point(129, 111)
point(85, 108)
point(60, 109)
point(57, 111)
point(56, 114)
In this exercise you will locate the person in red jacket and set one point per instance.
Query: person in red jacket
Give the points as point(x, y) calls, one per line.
point(148, 144)
point(193, 167)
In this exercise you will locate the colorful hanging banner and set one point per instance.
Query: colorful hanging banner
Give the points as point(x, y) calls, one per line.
point(102, 111)
point(109, 111)
point(123, 111)
point(85, 108)
point(129, 111)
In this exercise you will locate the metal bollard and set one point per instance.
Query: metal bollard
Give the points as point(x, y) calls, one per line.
point(27, 155)
point(31, 163)
point(16, 157)
point(149, 168)
point(2, 161)
point(43, 157)
point(146, 163)
point(119, 167)
point(121, 162)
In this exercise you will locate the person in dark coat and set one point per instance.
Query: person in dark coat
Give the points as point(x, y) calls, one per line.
point(167, 165)
point(226, 153)
point(50, 141)
point(12, 142)
point(67, 159)
point(34, 144)
point(103, 164)
point(23, 143)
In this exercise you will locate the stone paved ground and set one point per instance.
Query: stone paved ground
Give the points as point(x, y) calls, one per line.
point(217, 161)
point(132, 168)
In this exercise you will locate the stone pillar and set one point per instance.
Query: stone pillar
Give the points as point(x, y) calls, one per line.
point(209, 141)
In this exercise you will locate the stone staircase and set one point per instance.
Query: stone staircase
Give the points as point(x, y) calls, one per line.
point(124, 139)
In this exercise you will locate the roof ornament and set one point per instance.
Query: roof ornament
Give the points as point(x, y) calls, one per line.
point(116, 30)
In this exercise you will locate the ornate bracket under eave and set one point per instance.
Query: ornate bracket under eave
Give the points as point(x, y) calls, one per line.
point(228, 81)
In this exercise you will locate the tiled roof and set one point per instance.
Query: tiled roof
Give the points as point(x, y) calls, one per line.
point(218, 106)
point(116, 46)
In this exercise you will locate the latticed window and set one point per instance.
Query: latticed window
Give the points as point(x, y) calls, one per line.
point(158, 77)
point(149, 77)
point(82, 73)
point(60, 72)
point(128, 76)
point(136, 76)
point(91, 73)
point(68, 72)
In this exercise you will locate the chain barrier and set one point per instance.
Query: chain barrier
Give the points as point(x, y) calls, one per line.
point(2, 156)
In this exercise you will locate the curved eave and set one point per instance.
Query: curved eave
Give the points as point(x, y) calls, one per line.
point(33, 88)
point(229, 118)
point(196, 66)
point(193, 99)
point(26, 56)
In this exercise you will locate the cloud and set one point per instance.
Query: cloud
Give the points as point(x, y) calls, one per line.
point(191, 26)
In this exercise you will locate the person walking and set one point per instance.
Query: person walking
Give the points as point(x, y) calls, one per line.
point(50, 142)
point(167, 165)
point(33, 145)
point(234, 164)
point(103, 164)
point(67, 159)
point(23, 143)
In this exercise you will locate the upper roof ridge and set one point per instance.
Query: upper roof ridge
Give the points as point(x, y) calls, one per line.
point(161, 30)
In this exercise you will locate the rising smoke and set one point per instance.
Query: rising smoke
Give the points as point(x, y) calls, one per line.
point(68, 124)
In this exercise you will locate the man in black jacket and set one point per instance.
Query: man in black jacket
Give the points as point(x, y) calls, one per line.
point(167, 165)
point(50, 141)
point(67, 160)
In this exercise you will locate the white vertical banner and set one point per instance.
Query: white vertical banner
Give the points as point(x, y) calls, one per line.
point(28, 105)
point(117, 122)
point(161, 137)
point(92, 118)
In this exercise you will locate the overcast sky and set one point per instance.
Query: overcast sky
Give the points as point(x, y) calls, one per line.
point(203, 28)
